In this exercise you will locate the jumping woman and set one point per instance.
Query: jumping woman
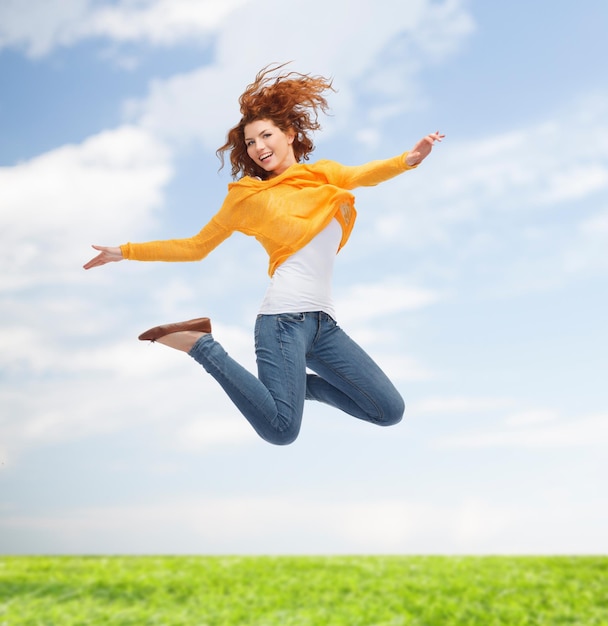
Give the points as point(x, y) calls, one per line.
point(303, 215)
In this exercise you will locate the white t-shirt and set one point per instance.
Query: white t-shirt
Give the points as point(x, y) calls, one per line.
point(303, 282)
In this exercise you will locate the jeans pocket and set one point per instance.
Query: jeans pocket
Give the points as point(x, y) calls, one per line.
point(271, 328)
point(291, 317)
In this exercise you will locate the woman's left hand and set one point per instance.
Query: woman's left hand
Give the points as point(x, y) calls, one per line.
point(422, 149)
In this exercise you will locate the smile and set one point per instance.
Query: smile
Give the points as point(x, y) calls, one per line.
point(266, 156)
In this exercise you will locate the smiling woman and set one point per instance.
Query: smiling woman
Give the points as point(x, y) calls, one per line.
point(290, 103)
point(269, 147)
point(302, 215)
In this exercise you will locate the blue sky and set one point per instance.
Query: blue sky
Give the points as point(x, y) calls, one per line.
point(478, 281)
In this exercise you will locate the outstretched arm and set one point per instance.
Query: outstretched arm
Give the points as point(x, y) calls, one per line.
point(422, 149)
point(106, 255)
point(374, 172)
point(188, 249)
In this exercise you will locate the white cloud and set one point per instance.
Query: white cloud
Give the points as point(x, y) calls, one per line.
point(292, 524)
point(578, 183)
point(162, 22)
point(110, 183)
point(209, 433)
point(315, 526)
point(77, 384)
point(200, 105)
point(596, 226)
point(42, 25)
point(519, 212)
point(362, 302)
point(524, 432)
point(534, 416)
point(460, 404)
point(530, 167)
point(399, 367)
point(364, 55)
point(540, 168)
point(39, 26)
point(587, 250)
point(360, 311)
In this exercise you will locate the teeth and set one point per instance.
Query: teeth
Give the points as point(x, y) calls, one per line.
point(265, 156)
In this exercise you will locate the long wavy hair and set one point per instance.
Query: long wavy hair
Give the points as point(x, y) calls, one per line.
point(291, 101)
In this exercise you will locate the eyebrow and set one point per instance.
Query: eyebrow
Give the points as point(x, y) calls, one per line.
point(260, 133)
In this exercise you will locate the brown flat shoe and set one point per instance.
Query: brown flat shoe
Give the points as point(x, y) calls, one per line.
point(200, 324)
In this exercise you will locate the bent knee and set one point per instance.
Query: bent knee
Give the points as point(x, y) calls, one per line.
point(392, 413)
point(282, 440)
point(281, 437)
point(391, 420)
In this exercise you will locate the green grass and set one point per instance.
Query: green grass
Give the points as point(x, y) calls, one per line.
point(298, 591)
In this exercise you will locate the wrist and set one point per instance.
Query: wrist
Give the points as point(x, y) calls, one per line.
point(411, 160)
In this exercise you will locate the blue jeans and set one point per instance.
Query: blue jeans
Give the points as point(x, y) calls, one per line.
point(285, 345)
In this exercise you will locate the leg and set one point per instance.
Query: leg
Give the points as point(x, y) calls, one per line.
point(273, 404)
point(349, 379)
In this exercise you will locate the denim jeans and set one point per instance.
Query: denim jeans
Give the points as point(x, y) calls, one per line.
point(286, 345)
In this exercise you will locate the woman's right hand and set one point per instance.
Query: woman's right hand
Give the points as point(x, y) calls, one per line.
point(106, 255)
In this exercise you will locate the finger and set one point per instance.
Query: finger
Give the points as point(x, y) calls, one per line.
point(94, 262)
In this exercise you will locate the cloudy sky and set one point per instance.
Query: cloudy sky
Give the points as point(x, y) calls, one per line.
point(478, 281)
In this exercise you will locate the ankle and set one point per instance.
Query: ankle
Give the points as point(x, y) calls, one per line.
point(182, 340)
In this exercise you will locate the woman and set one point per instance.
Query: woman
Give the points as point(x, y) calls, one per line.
point(302, 215)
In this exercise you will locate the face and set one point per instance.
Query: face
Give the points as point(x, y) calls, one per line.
point(269, 147)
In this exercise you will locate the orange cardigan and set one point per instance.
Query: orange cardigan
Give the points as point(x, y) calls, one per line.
point(283, 213)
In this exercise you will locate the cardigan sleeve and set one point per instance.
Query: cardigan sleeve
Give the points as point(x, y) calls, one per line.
point(189, 249)
point(368, 174)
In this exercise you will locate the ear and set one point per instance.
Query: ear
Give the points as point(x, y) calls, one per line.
point(291, 135)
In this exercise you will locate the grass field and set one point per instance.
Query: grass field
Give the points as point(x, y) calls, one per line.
point(298, 591)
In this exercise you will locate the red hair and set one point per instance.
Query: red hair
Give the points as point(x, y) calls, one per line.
point(291, 101)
